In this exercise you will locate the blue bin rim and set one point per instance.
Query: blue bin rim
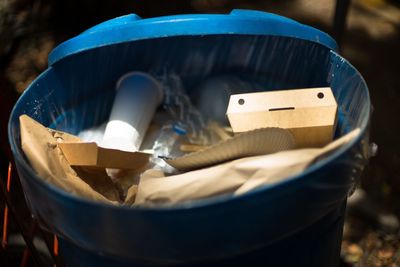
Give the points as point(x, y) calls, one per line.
point(202, 203)
point(238, 22)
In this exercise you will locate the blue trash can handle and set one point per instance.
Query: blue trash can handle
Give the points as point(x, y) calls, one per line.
point(242, 22)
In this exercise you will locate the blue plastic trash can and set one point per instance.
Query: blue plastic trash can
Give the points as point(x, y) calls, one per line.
point(297, 222)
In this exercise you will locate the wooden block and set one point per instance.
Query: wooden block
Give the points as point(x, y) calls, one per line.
point(310, 114)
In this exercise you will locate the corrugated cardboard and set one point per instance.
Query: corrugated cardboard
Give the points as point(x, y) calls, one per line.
point(310, 114)
point(252, 143)
point(233, 178)
point(46, 158)
point(236, 177)
point(90, 154)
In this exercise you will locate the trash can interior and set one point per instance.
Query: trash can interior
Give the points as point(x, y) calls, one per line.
point(77, 92)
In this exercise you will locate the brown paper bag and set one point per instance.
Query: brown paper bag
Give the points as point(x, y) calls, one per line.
point(40, 147)
point(235, 177)
point(154, 188)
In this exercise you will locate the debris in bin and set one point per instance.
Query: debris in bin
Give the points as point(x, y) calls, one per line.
point(184, 114)
point(188, 148)
point(91, 155)
point(310, 114)
point(232, 178)
point(93, 134)
point(252, 143)
point(284, 164)
point(168, 142)
point(42, 148)
point(47, 160)
point(222, 132)
point(137, 98)
point(185, 127)
point(260, 154)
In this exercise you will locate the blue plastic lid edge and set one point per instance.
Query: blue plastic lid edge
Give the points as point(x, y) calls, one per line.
point(239, 22)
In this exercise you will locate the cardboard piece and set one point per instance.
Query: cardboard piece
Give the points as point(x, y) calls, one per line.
point(310, 114)
point(252, 143)
point(90, 154)
point(289, 163)
point(47, 160)
point(41, 146)
point(233, 178)
point(236, 177)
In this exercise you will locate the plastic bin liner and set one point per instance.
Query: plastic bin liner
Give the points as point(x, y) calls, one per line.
point(297, 222)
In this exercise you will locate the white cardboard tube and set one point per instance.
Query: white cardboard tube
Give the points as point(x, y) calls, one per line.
point(137, 98)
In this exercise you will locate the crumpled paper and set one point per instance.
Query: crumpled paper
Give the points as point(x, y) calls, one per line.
point(40, 147)
point(235, 177)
